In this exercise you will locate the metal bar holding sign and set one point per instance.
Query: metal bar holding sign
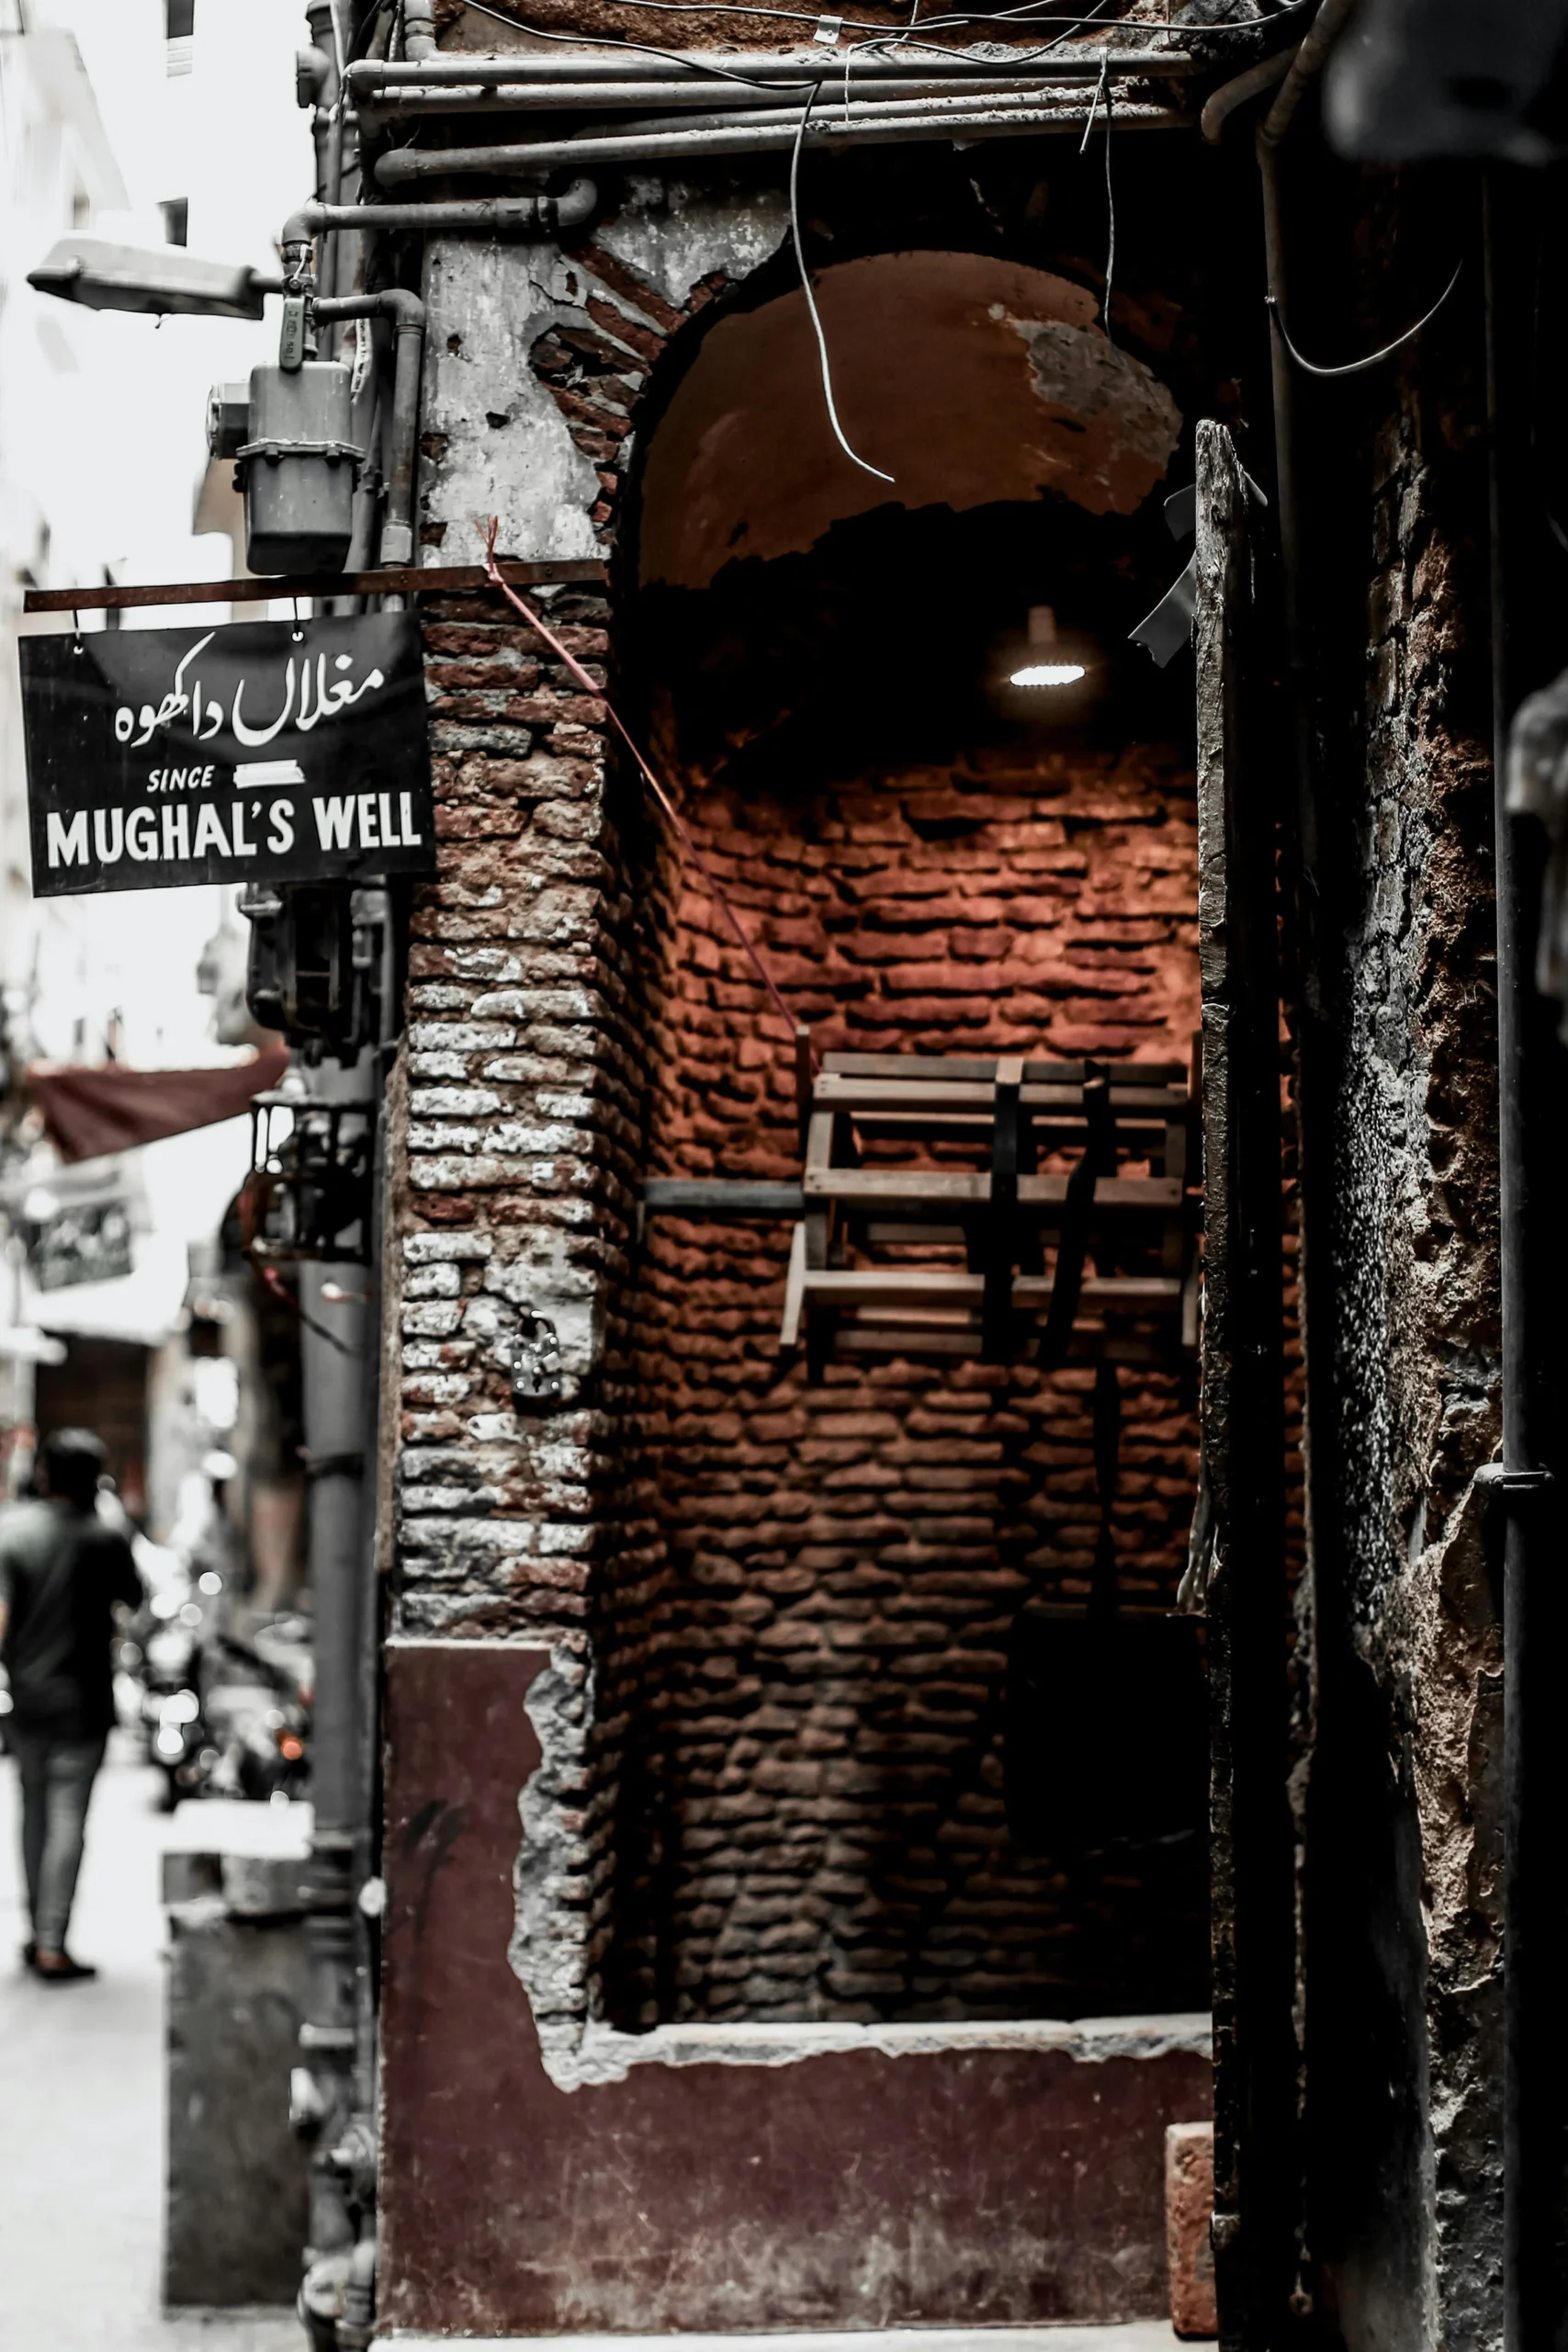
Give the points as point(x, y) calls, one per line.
point(259, 751)
point(403, 580)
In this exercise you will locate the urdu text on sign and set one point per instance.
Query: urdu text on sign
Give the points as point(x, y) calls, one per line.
point(262, 751)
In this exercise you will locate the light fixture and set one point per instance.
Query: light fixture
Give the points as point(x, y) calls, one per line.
point(1048, 664)
point(106, 276)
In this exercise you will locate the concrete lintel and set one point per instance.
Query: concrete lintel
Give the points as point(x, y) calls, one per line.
point(603, 2055)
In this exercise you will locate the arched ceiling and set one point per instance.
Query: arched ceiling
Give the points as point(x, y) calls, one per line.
point(968, 378)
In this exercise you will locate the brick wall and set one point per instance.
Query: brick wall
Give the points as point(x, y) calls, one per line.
point(776, 1613)
point(523, 1084)
point(821, 1650)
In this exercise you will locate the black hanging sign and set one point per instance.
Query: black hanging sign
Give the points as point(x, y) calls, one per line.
point(264, 750)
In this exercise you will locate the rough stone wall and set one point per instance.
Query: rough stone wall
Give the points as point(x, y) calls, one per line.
point(844, 1561)
point(525, 1043)
point(522, 1088)
point(1403, 1947)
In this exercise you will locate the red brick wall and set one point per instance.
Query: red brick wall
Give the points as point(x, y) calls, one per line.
point(777, 1791)
point(840, 1563)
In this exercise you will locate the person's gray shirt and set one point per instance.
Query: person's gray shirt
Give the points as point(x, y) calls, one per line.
point(61, 1573)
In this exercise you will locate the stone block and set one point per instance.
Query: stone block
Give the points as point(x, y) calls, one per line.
point(1188, 2204)
point(236, 2210)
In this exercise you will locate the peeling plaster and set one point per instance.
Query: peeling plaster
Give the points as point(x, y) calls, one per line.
point(529, 472)
point(675, 235)
point(1100, 389)
point(548, 1951)
point(604, 2055)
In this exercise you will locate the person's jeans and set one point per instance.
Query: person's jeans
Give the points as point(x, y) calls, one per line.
point(57, 1780)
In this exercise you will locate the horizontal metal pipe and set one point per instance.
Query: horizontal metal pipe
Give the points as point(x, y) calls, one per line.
point(519, 216)
point(395, 302)
point(832, 110)
point(869, 127)
point(371, 79)
point(551, 98)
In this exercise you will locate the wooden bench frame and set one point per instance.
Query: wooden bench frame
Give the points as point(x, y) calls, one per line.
point(1011, 1109)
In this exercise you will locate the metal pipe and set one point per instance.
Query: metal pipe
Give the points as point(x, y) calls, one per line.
point(1311, 57)
point(870, 128)
point(559, 97)
point(326, 121)
point(334, 1370)
point(1308, 62)
point(1315, 1073)
point(1513, 919)
point(1525, 648)
point(1223, 103)
point(517, 216)
point(368, 78)
point(419, 29)
point(406, 313)
point(788, 118)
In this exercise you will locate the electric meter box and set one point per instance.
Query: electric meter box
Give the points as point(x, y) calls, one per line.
point(298, 467)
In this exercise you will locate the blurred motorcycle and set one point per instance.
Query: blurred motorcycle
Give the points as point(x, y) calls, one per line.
point(256, 1711)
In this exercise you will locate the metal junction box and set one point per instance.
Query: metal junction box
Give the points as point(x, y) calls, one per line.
point(298, 466)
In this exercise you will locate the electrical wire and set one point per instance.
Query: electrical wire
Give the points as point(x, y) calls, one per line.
point(1102, 90)
point(637, 48)
point(1030, 12)
point(806, 287)
point(280, 1290)
point(1372, 359)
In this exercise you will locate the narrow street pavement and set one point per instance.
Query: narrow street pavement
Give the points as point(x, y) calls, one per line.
point(80, 2105)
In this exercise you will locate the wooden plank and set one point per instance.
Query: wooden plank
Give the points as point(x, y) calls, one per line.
point(403, 579)
point(794, 1290)
point(982, 1068)
point(869, 1285)
point(804, 1075)
point(906, 1235)
point(977, 1098)
point(890, 1188)
point(856, 1338)
point(818, 1159)
point(1139, 1136)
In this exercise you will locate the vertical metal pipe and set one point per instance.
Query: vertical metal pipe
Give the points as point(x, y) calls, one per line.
point(1529, 1070)
point(337, 1369)
point(397, 534)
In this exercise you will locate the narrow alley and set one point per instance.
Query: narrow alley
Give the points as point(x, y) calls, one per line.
point(82, 2093)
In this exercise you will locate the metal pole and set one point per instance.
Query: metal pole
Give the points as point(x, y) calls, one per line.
point(1525, 650)
point(338, 1366)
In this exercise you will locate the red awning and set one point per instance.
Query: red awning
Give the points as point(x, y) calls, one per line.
point(89, 1112)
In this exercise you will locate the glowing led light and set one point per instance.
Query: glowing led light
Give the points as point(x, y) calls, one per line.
point(1049, 673)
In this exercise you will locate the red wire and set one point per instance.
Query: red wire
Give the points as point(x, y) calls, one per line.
point(684, 832)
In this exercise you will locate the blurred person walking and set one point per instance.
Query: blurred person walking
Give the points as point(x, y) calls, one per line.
point(62, 1569)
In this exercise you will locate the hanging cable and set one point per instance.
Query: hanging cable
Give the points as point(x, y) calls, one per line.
point(683, 831)
point(279, 1289)
point(806, 287)
point(1031, 13)
point(1373, 359)
point(637, 48)
point(1102, 90)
